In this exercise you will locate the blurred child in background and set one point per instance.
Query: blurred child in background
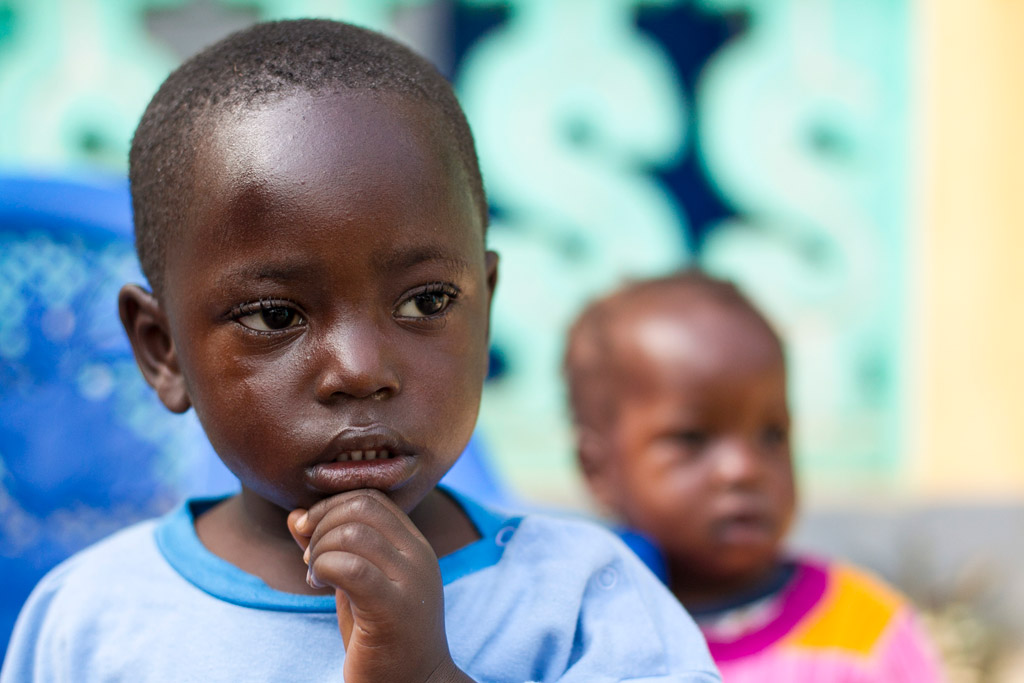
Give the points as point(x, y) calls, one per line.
point(678, 392)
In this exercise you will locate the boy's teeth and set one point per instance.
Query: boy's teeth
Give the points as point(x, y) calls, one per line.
point(364, 455)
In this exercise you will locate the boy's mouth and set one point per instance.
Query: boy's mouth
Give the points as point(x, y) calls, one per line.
point(359, 444)
point(369, 454)
point(364, 457)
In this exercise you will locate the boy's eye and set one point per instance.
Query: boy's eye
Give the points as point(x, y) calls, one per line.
point(424, 304)
point(271, 317)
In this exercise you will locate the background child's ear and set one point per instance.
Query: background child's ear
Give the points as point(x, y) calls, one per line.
point(146, 324)
point(596, 466)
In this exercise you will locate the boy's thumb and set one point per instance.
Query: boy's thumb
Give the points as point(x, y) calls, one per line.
point(293, 517)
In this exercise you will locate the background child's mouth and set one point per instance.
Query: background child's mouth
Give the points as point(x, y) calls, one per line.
point(745, 529)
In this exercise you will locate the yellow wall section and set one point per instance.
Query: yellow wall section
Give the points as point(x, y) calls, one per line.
point(967, 407)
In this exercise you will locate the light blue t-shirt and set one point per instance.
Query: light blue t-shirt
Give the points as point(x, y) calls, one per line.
point(537, 598)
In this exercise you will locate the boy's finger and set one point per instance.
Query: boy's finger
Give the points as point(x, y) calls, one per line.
point(293, 528)
point(366, 505)
point(359, 539)
point(365, 585)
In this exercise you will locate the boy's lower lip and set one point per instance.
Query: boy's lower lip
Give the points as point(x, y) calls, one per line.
point(385, 475)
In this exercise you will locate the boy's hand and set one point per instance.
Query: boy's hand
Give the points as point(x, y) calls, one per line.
point(387, 587)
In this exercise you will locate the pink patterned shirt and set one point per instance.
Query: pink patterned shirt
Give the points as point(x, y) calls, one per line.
point(829, 624)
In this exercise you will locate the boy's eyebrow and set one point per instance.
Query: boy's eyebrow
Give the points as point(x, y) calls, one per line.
point(265, 271)
point(402, 259)
point(389, 262)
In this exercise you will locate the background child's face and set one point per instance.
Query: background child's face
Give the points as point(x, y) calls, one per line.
point(698, 454)
point(330, 294)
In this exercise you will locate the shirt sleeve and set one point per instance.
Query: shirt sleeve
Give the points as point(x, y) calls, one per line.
point(631, 628)
point(34, 652)
point(908, 655)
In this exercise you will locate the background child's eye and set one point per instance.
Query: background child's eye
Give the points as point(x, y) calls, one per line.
point(424, 305)
point(270, 318)
point(691, 438)
point(774, 437)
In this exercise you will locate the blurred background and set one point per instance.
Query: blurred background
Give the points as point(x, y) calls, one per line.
point(857, 166)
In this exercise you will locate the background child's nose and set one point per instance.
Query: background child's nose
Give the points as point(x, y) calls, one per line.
point(738, 462)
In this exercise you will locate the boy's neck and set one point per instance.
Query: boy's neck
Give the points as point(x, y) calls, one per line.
point(444, 523)
point(254, 537)
point(252, 534)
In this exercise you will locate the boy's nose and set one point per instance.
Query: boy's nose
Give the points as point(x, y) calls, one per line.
point(354, 363)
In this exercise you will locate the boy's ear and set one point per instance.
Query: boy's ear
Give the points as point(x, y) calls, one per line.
point(491, 265)
point(149, 333)
point(595, 463)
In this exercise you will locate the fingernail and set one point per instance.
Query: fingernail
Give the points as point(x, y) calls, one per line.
point(313, 583)
point(305, 555)
point(301, 522)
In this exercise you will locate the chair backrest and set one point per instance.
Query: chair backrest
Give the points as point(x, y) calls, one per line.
point(85, 446)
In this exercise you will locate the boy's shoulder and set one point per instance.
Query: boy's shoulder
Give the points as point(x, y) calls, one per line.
point(77, 597)
point(539, 542)
point(120, 567)
point(566, 582)
point(104, 566)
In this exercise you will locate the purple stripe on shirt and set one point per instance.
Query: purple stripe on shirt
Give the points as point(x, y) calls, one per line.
point(797, 600)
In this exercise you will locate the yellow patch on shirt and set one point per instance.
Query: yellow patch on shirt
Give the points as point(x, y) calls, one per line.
point(851, 617)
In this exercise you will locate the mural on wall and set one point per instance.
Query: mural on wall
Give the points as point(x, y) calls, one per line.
point(772, 153)
point(77, 74)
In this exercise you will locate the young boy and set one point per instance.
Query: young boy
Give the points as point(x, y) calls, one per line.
point(678, 389)
point(310, 215)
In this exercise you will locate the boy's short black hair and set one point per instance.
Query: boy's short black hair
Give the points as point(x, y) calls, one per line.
point(589, 365)
point(249, 68)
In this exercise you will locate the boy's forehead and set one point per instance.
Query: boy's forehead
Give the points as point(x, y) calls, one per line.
point(310, 133)
point(340, 153)
point(349, 164)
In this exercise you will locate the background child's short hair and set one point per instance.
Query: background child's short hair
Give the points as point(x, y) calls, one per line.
point(251, 67)
point(589, 364)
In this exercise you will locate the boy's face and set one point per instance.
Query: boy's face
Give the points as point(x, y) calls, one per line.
point(329, 297)
point(698, 454)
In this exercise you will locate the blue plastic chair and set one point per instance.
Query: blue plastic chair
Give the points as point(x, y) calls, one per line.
point(85, 447)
